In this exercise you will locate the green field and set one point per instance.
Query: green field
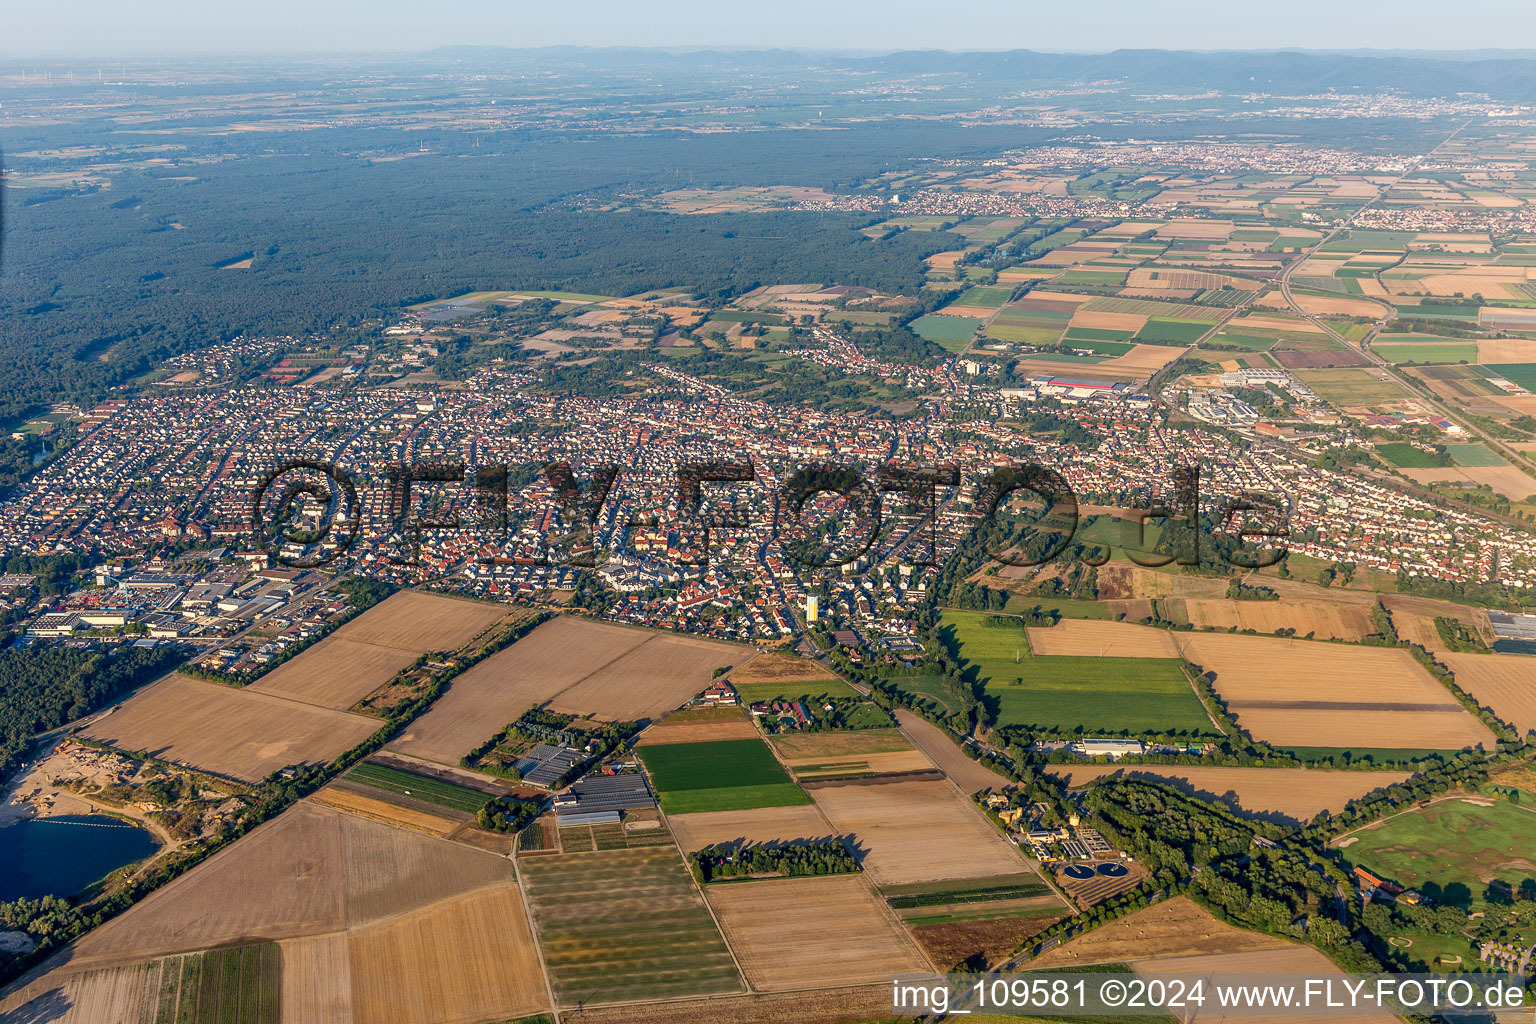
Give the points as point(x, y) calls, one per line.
point(236, 985)
point(625, 924)
point(950, 332)
point(990, 298)
point(1405, 456)
point(1098, 694)
point(1023, 335)
point(1427, 352)
point(1351, 386)
point(1243, 340)
point(1523, 374)
point(1360, 240)
point(1473, 455)
point(723, 775)
point(788, 691)
point(931, 687)
point(1450, 844)
point(1160, 330)
point(418, 787)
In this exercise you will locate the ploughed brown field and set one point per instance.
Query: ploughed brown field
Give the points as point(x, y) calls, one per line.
point(1172, 927)
point(415, 621)
point(574, 665)
point(1296, 793)
point(1092, 638)
point(732, 727)
point(343, 798)
point(239, 733)
point(1504, 682)
point(1312, 694)
point(778, 929)
point(918, 831)
point(779, 668)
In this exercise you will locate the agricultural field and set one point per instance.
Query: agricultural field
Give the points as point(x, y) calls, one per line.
point(948, 331)
point(1064, 692)
point(1353, 387)
point(1449, 850)
point(423, 788)
point(233, 985)
point(1295, 794)
point(310, 871)
point(576, 665)
point(416, 621)
point(1170, 928)
point(793, 690)
point(777, 667)
point(365, 803)
point(237, 733)
point(847, 754)
point(778, 930)
point(1292, 959)
point(468, 958)
point(624, 925)
point(1088, 638)
point(1504, 682)
point(970, 775)
point(761, 825)
point(701, 726)
point(1313, 694)
point(336, 673)
point(1330, 620)
point(914, 831)
point(954, 921)
point(722, 775)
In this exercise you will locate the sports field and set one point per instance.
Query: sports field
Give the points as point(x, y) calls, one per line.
point(621, 925)
point(1131, 694)
point(1454, 843)
point(725, 775)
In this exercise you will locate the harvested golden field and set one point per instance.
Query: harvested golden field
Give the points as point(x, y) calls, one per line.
point(1131, 322)
point(898, 762)
point(335, 673)
point(310, 871)
point(1293, 959)
point(344, 799)
point(663, 672)
point(482, 701)
point(971, 776)
point(1330, 621)
point(735, 728)
point(761, 825)
point(1320, 305)
point(1093, 638)
point(1504, 682)
point(779, 668)
point(918, 831)
point(84, 997)
point(778, 931)
point(1312, 694)
point(1507, 350)
point(1141, 361)
point(317, 979)
point(470, 958)
point(242, 734)
point(1173, 927)
point(416, 621)
point(1296, 793)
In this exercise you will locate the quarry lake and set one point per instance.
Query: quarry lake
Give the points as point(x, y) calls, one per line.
point(62, 856)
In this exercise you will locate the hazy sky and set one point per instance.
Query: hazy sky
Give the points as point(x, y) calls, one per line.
point(169, 26)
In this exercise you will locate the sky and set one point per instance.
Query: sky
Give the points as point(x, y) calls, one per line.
point(68, 27)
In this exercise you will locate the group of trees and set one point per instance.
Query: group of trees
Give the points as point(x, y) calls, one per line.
point(508, 813)
point(809, 857)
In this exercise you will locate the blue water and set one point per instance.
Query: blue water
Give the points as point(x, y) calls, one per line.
point(62, 856)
